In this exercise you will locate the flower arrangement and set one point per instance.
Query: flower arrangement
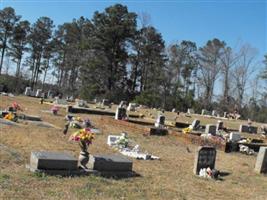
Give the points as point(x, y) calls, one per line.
point(55, 109)
point(11, 116)
point(83, 135)
point(187, 130)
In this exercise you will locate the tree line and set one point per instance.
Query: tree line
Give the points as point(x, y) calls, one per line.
point(111, 56)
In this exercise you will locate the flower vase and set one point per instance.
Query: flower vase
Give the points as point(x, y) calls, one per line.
point(83, 159)
point(84, 155)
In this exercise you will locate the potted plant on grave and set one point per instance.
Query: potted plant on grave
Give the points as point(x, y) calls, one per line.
point(84, 137)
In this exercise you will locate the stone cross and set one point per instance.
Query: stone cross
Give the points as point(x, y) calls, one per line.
point(205, 157)
point(261, 163)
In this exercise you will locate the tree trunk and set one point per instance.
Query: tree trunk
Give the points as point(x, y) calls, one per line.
point(3, 52)
point(18, 68)
point(46, 68)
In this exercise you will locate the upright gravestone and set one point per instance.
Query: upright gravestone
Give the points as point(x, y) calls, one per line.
point(105, 102)
point(38, 93)
point(210, 129)
point(248, 129)
point(123, 104)
point(225, 114)
point(190, 111)
point(120, 113)
point(195, 124)
point(28, 91)
point(219, 125)
point(261, 163)
point(205, 157)
point(132, 107)
point(160, 121)
point(203, 112)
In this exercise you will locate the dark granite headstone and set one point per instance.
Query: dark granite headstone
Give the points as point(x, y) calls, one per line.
point(210, 129)
point(53, 161)
point(110, 163)
point(205, 157)
point(248, 129)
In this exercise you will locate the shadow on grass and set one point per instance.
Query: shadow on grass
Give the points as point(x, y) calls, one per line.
point(119, 175)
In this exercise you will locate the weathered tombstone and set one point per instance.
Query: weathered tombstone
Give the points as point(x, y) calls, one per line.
point(248, 129)
point(210, 128)
point(195, 124)
point(28, 91)
point(52, 161)
point(120, 114)
point(261, 163)
point(110, 163)
point(205, 157)
point(234, 137)
point(160, 121)
point(203, 112)
point(225, 114)
point(173, 110)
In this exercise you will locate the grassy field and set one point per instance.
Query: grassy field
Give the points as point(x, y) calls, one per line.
point(169, 178)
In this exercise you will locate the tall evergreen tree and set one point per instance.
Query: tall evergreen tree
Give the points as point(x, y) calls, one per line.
point(8, 19)
point(18, 43)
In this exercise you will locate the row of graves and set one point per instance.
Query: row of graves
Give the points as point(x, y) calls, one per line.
point(14, 115)
point(210, 138)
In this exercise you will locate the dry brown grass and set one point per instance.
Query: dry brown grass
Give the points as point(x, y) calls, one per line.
point(170, 178)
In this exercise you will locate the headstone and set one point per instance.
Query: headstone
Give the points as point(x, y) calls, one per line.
point(205, 157)
point(261, 163)
point(225, 114)
point(132, 107)
point(235, 136)
point(81, 103)
point(173, 110)
point(248, 129)
point(123, 104)
point(105, 102)
point(195, 124)
point(112, 139)
point(28, 91)
point(190, 111)
point(38, 93)
point(210, 128)
point(219, 125)
point(60, 101)
point(49, 94)
point(160, 121)
point(214, 113)
point(203, 112)
point(52, 161)
point(110, 163)
point(120, 114)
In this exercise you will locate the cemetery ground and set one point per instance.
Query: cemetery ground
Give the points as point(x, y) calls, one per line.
point(171, 177)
